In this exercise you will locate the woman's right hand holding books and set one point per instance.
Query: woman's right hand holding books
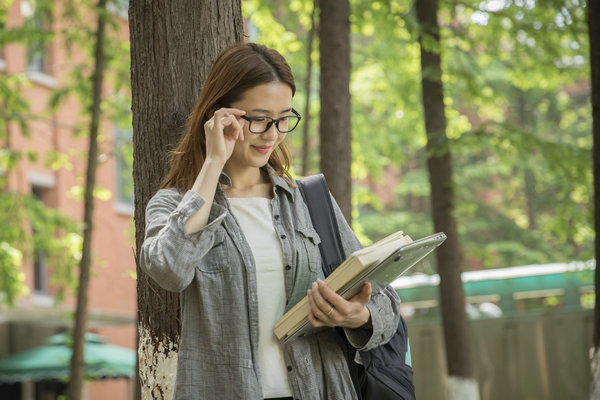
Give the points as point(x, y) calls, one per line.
point(327, 308)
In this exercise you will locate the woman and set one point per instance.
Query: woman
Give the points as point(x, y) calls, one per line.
point(230, 231)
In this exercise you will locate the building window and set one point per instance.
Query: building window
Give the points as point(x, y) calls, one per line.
point(123, 151)
point(36, 53)
point(37, 20)
point(40, 273)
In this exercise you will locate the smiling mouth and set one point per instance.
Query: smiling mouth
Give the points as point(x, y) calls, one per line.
point(262, 149)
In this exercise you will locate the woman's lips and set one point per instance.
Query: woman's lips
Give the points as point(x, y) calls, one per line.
point(262, 149)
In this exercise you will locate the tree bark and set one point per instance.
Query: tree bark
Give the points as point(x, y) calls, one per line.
point(594, 33)
point(461, 384)
point(173, 46)
point(335, 129)
point(306, 130)
point(76, 380)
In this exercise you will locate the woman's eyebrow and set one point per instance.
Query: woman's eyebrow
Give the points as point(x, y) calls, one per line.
point(269, 111)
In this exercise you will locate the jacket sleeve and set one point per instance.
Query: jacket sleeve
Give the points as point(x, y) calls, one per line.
point(383, 306)
point(169, 254)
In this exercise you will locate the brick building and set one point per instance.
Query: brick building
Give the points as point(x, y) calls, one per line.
point(112, 294)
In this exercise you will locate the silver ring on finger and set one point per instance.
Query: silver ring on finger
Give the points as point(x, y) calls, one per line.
point(330, 311)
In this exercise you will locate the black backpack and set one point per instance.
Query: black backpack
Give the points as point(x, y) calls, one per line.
point(384, 374)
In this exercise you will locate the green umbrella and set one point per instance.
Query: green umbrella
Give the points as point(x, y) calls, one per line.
point(52, 361)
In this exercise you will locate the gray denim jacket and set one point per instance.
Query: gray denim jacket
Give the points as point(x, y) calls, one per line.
point(214, 271)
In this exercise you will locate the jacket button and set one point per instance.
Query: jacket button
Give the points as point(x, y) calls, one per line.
point(276, 216)
point(283, 236)
point(288, 267)
point(289, 368)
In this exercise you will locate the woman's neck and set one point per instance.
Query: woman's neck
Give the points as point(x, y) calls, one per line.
point(248, 182)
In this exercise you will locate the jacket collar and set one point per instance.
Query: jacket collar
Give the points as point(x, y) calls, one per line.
point(278, 181)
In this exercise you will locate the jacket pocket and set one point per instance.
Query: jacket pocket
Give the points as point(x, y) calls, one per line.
point(307, 245)
point(217, 258)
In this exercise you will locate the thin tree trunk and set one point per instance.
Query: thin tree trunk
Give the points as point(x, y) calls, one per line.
point(461, 384)
point(530, 192)
point(594, 33)
point(335, 129)
point(77, 359)
point(173, 46)
point(528, 175)
point(306, 136)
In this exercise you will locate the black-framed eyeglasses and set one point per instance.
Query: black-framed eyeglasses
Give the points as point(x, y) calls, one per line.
point(262, 124)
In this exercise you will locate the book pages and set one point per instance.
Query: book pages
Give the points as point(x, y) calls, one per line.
point(380, 263)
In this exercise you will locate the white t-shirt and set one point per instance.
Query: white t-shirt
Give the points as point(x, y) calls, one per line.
point(255, 217)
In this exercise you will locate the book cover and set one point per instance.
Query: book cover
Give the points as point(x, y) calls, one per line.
point(380, 264)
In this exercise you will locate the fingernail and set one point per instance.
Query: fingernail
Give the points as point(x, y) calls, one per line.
point(314, 285)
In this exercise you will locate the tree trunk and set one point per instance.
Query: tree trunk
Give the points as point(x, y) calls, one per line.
point(335, 130)
point(524, 119)
point(306, 130)
point(77, 359)
point(530, 194)
point(173, 46)
point(594, 33)
point(461, 384)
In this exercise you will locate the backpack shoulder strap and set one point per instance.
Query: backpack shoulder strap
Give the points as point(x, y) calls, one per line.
point(316, 195)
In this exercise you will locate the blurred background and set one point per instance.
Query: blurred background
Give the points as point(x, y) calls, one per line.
point(516, 99)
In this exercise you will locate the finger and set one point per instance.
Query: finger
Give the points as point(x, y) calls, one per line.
point(330, 296)
point(239, 130)
point(217, 122)
point(242, 123)
point(223, 113)
point(320, 301)
point(227, 111)
point(231, 126)
point(209, 124)
point(317, 310)
point(228, 120)
point(314, 321)
point(364, 295)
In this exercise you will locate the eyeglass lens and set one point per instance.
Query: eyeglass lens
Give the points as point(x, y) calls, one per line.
point(284, 124)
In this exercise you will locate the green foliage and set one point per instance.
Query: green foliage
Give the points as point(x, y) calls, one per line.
point(37, 14)
point(28, 227)
point(13, 107)
point(516, 85)
point(284, 26)
point(123, 153)
point(11, 277)
point(502, 129)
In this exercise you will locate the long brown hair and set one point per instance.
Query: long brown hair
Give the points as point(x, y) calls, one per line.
point(238, 68)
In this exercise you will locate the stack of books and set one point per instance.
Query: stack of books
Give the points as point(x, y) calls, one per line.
point(380, 264)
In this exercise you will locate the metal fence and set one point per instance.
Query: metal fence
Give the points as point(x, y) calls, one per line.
point(524, 357)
